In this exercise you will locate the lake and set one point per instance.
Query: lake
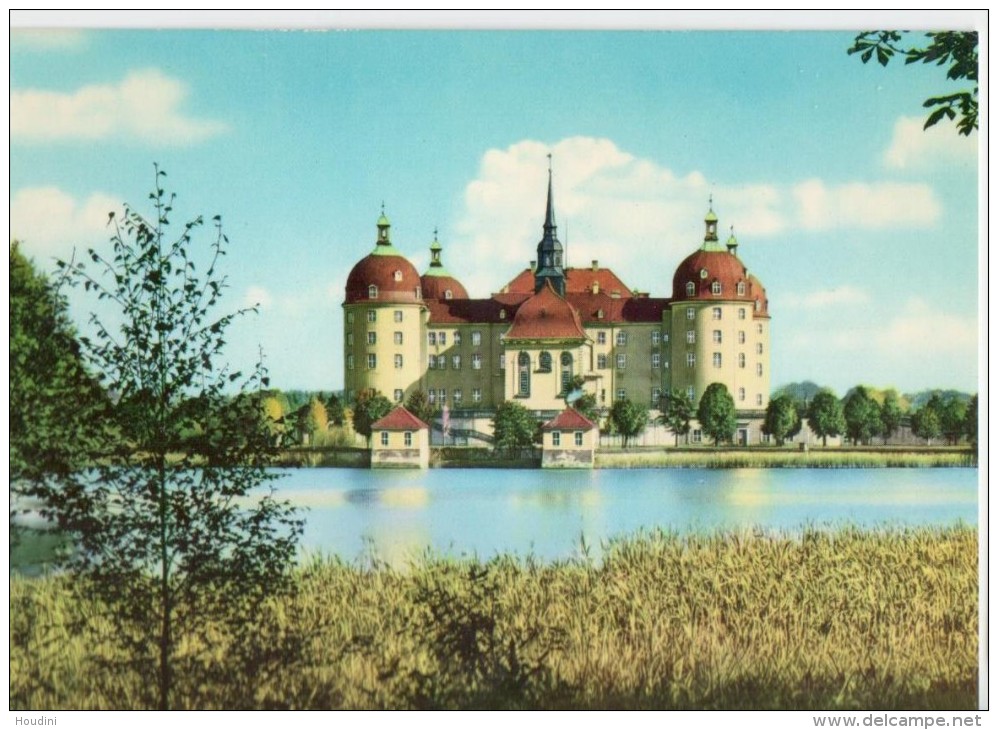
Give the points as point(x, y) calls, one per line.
point(464, 512)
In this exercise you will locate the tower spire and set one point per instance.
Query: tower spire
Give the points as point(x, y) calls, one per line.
point(550, 266)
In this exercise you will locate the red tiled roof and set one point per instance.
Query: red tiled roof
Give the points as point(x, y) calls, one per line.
point(617, 310)
point(576, 281)
point(380, 270)
point(400, 419)
point(435, 287)
point(720, 266)
point(471, 311)
point(569, 420)
point(546, 316)
point(758, 292)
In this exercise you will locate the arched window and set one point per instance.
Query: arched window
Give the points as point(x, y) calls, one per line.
point(741, 288)
point(448, 294)
point(398, 275)
point(523, 371)
point(691, 288)
point(566, 371)
point(715, 288)
point(544, 362)
point(372, 291)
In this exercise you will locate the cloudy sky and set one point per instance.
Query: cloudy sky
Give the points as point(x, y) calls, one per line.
point(863, 228)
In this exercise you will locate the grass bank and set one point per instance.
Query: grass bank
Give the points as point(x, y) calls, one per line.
point(760, 458)
point(841, 620)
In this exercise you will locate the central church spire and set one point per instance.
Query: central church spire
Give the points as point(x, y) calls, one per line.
point(550, 266)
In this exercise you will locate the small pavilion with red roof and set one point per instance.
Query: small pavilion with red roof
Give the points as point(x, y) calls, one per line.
point(400, 440)
point(568, 441)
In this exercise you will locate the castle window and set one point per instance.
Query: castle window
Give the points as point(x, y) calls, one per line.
point(432, 396)
point(419, 293)
point(398, 362)
point(656, 360)
point(690, 313)
point(397, 275)
point(476, 339)
point(758, 399)
point(691, 359)
point(457, 338)
point(690, 393)
point(442, 362)
point(432, 362)
point(578, 438)
point(715, 288)
point(621, 339)
point(696, 435)
point(601, 337)
point(691, 288)
point(372, 315)
point(442, 338)
point(556, 438)
point(349, 362)
point(758, 305)
point(349, 317)
point(408, 438)
point(656, 336)
point(758, 328)
point(476, 395)
point(717, 337)
point(398, 315)
point(656, 396)
point(665, 364)
point(621, 361)
point(601, 362)
point(372, 292)
point(621, 394)
point(502, 362)
point(523, 370)
point(502, 314)
point(758, 368)
point(741, 394)
point(384, 438)
point(741, 289)
point(458, 396)
point(431, 338)
point(476, 361)
point(372, 361)
point(544, 362)
point(455, 362)
point(717, 359)
point(566, 371)
point(398, 395)
point(715, 313)
point(741, 337)
point(758, 348)
point(349, 339)
point(665, 337)
point(599, 314)
point(443, 396)
point(398, 338)
point(741, 313)
point(691, 337)
point(741, 359)
point(448, 294)
point(372, 338)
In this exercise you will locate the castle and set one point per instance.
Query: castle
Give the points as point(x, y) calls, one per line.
point(552, 325)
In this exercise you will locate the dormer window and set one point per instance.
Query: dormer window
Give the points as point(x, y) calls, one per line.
point(715, 288)
point(448, 294)
point(691, 288)
point(758, 305)
point(703, 273)
point(502, 314)
point(599, 314)
point(397, 275)
point(372, 292)
point(741, 288)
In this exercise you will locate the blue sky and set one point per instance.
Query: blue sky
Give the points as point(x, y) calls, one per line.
point(863, 228)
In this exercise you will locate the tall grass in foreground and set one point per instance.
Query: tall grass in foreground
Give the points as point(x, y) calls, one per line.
point(762, 459)
point(820, 620)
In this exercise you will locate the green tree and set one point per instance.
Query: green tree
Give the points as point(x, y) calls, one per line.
point(952, 419)
point(586, 405)
point(927, 424)
point(179, 539)
point(514, 428)
point(957, 50)
point(825, 417)
point(677, 412)
point(418, 404)
point(311, 420)
point(369, 407)
point(629, 418)
point(891, 413)
point(334, 410)
point(782, 419)
point(716, 413)
point(862, 415)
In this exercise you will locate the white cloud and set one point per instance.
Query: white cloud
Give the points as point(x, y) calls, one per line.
point(838, 296)
point(258, 296)
point(50, 221)
point(925, 331)
point(145, 105)
point(864, 205)
point(915, 148)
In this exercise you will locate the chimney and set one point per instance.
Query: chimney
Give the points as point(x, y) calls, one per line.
point(595, 264)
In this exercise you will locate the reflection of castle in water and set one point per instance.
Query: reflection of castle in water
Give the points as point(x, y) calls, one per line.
point(552, 326)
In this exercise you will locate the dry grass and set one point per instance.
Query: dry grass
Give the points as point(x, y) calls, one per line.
point(829, 620)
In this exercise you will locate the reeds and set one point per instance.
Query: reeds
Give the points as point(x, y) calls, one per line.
point(847, 619)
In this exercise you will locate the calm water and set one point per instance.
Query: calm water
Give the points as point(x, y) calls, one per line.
point(398, 514)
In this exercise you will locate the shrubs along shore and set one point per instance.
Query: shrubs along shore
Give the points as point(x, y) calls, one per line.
point(848, 619)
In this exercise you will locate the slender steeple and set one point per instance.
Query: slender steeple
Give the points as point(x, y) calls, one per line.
point(550, 266)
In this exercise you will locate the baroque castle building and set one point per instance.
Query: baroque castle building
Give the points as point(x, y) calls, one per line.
point(553, 324)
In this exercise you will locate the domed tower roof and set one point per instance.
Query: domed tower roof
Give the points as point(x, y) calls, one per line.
point(758, 293)
point(384, 275)
point(711, 272)
point(437, 282)
point(546, 315)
